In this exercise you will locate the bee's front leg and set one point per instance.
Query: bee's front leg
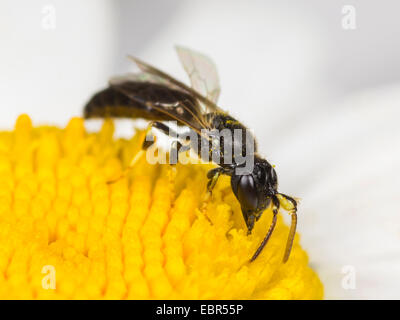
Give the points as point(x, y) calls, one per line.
point(213, 176)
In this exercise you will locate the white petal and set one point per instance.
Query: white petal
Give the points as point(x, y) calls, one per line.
point(346, 164)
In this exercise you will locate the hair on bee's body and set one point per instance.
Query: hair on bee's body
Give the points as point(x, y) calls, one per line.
point(154, 95)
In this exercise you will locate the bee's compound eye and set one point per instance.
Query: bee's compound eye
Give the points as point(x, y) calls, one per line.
point(261, 175)
point(247, 193)
point(273, 174)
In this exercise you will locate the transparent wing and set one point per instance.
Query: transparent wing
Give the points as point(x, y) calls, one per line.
point(176, 104)
point(158, 75)
point(201, 71)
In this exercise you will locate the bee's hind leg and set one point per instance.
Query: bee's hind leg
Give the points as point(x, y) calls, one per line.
point(176, 148)
point(147, 143)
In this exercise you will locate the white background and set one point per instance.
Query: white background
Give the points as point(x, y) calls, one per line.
point(323, 101)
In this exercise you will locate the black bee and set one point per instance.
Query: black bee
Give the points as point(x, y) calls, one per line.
point(154, 95)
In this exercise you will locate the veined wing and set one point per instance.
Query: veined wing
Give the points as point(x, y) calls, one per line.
point(206, 105)
point(176, 104)
point(201, 71)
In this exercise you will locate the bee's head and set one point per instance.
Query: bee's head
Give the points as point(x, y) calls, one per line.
point(254, 191)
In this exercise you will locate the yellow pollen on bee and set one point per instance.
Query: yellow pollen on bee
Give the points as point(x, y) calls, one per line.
point(285, 203)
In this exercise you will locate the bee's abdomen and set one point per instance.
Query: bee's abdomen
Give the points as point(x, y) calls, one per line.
point(110, 103)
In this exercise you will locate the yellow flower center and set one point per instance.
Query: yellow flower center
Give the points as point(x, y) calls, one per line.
point(65, 233)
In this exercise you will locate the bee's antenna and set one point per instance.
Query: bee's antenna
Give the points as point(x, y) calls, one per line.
point(264, 242)
point(291, 236)
point(293, 226)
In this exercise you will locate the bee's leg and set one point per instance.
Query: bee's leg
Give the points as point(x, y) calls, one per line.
point(212, 176)
point(176, 148)
point(292, 208)
point(147, 143)
point(275, 209)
